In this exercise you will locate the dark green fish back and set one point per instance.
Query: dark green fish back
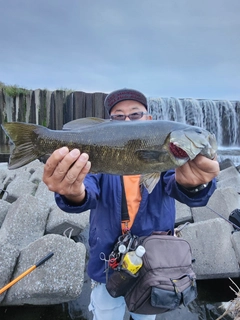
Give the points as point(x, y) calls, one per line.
point(112, 147)
point(117, 147)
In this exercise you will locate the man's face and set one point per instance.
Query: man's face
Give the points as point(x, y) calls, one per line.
point(129, 107)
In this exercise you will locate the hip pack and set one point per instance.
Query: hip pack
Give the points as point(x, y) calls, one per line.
point(166, 280)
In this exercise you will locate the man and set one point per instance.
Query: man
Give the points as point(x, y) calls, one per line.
point(67, 174)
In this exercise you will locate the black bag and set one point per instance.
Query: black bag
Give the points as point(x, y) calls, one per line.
point(120, 282)
point(166, 280)
point(234, 217)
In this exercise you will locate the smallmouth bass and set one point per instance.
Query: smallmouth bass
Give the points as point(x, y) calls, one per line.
point(115, 147)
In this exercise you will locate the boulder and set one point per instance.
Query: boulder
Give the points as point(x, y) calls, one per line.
point(213, 253)
point(60, 222)
point(25, 221)
point(58, 280)
point(8, 259)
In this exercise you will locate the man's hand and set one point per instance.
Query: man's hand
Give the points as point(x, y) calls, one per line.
point(197, 171)
point(65, 171)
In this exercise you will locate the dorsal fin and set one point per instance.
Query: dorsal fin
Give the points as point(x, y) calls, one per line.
point(83, 123)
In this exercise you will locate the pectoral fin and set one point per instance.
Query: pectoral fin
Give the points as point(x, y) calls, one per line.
point(149, 155)
point(150, 180)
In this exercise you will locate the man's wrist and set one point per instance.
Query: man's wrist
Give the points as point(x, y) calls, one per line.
point(77, 199)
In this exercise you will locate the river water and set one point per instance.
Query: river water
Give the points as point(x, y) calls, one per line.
point(229, 153)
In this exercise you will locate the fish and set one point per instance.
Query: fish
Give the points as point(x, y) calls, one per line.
point(144, 147)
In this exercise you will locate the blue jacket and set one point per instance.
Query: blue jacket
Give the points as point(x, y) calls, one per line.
point(156, 212)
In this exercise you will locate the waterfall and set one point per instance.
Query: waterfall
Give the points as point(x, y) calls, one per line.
point(53, 109)
point(218, 117)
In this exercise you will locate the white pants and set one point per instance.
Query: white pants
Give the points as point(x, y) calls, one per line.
point(105, 307)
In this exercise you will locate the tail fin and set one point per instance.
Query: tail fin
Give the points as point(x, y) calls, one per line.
point(24, 136)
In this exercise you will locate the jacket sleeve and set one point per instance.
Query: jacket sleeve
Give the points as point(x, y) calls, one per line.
point(198, 199)
point(91, 183)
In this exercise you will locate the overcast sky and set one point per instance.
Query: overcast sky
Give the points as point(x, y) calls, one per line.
point(164, 48)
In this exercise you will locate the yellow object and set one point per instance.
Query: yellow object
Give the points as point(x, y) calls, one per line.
point(131, 267)
point(132, 260)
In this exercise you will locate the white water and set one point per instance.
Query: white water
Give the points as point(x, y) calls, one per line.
point(229, 153)
point(218, 117)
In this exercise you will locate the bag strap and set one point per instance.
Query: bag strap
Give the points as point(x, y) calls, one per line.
point(162, 233)
point(124, 208)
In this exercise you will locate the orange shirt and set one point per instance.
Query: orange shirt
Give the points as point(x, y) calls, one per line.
point(133, 197)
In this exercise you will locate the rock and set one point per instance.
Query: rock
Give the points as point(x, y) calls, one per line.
point(8, 258)
point(227, 173)
point(60, 222)
point(37, 175)
point(223, 201)
point(236, 244)
point(4, 206)
point(183, 213)
point(212, 249)
point(7, 179)
point(32, 225)
point(25, 221)
point(3, 175)
point(58, 280)
point(19, 186)
point(229, 178)
point(45, 196)
point(226, 164)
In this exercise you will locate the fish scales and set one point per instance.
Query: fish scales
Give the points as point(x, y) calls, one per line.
point(109, 151)
point(115, 147)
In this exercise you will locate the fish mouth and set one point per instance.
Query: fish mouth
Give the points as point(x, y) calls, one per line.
point(186, 144)
point(177, 152)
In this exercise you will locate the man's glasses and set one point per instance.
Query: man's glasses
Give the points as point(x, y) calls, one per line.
point(132, 116)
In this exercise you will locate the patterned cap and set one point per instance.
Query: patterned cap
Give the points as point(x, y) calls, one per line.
point(124, 94)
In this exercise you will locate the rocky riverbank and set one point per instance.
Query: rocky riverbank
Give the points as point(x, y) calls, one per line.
point(32, 226)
